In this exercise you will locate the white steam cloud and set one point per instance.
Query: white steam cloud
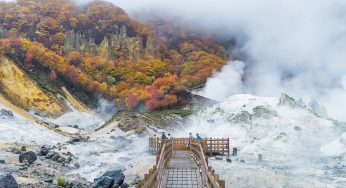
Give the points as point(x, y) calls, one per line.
point(225, 83)
point(297, 47)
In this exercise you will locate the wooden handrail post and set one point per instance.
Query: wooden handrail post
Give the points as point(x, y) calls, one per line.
point(140, 183)
point(228, 146)
point(146, 177)
point(157, 158)
point(216, 177)
point(222, 183)
point(211, 147)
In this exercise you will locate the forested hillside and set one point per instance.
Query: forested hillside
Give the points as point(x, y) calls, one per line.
point(98, 50)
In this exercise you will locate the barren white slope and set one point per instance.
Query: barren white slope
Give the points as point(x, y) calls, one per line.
point(298, 147)
point(21, 130)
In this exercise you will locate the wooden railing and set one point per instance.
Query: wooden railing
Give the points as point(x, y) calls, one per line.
point(164, 150)
point(211, 146)
point(154, 145)
point(154, 177)
point(218, 146)
point(209, 177)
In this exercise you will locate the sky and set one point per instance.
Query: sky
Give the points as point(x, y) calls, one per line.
point(292, 46)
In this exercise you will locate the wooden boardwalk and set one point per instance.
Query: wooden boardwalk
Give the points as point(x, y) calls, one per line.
point(182, 163)
point(182, 171)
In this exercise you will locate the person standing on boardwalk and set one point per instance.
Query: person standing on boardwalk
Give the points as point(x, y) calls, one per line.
point(155, 141)
point(163, 136)
point(190, 140)
point(198, 138)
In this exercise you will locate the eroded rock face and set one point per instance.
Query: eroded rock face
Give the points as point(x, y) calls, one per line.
point(287, 100)
point(119, 44)
point(7, 181)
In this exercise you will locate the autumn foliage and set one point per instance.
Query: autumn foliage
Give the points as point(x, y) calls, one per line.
point(35, 31)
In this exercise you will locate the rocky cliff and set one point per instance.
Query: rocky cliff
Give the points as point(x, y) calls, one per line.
point(119, 44)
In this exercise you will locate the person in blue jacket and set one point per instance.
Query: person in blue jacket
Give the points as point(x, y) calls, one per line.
point(198, 138)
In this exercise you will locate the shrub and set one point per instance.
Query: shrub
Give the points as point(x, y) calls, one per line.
point(60, 181)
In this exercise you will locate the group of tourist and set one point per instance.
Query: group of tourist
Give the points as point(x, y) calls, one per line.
point(198, 138)
point(165, 136)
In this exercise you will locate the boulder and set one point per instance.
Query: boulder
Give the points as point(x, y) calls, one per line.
point(56, 157)
point(69, 159)
point(43, 151)
point(115, 177)
point(48, 179)
point(75, 139)
point(103, 182)
point(76, 165)
point(75, 184)
point(229, 160)
point(2, 161)
point(50, 155)
point(60, 160)
point(6, 114)
point(23, 148)
point(28, 156)
point(7, 181)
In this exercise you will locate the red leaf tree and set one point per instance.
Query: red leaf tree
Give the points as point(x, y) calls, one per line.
point(53, 76)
